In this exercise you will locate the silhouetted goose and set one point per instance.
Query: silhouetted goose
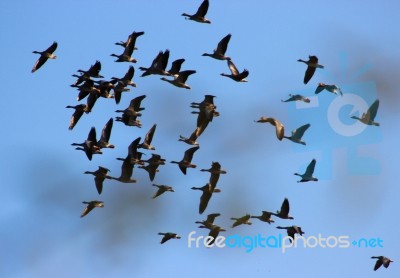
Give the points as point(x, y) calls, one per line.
point(191, 140)
point(219, 52)
point(126, 170)
point(131, 38)
point(153, 163)
point(208, 99)
point(176, 67)
point(368, 118)
point(279, 127)
point(118, 90)
point(265, 217)
point(297, 98)
point(126, 56)
point(180, 80)
point(235, 74)
point(291, 231)
point(199, 16)
point(168, 236)
point(297, 134)
point(284, 212)
point(93, 71)
point(127, 79)
point(312, 65)
point(99, 176)
point(105, 135)
point(158, 66)
point(105, 87)
point(215, 171)
point(208, 190)
point(242, 220)
point(381, 260)
point(133, 152)
point(308, 175)
point(186, 161)
point(91, 205)
point(147, 140)
point(208, 223)
point(161, 189)
point(90, 101)
point(129, 120)
point(86, 88)
point(214, 232)
point(44, 55)
point(89, 146)
point(330, 88)
point(79, 110)
point(132, 112)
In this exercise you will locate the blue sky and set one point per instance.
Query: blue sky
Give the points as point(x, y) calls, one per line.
point(42, 175)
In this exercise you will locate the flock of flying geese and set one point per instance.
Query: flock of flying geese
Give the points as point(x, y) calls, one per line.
point(92, 90)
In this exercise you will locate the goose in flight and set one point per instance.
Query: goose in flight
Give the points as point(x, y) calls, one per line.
point(180, 80)
point(312, 65)
point(90, 206)
point(93, 71)
point(279, 127)
point(126, 80)
point(105, 135)
point(191, 140)
point(90, 145)
point(241, 220)
point(368, 118)
point(134, 36)
point(330, 88)
point(126, 56)
point(308, 175)
point(168, 236)
point(162, 189)
point(153, 163)
point(284, 212)
point(99, 176)
point(176, 67)
point(126, 170)
point(199, 16)
point(208, 191)
point(235, 74)
point(79, 110)
point(44, 55)
point(215, 171)
point(214, 232)
point(219, 52)
point(208, 223)
point(147, 140)
point(118, 90)
point(297, 134)
point(265, 217)
point(186, 161)
point(297, 98)
point(291, 231)
point(381, 260)
point(158, 66)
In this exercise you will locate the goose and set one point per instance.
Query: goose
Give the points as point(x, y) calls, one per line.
point(297, 98)
point(186, 161)
point(168, 236)
point(89, 146)
point(158, 65)
point(126, 56)
point(219, 52)
point(129, 120)
point(180, 80)
point(381, 260)
point(291, 231)
point(127, 79)
point(241, 220)
point(118, 90)
point(308, 175)
point(153, 163)
point(126, 170)
point(133, 152)
point(161, 189)
point(214, 232)
point(265, 217)
point(79, 110)
point(235, 74)
point(93, 71)
point(205, 116)
point(368, 118)
point(176, 67)
point(86, 88)
point(130, 114)
point(215, 171)
point(105, 87)
point(91, 205)
point(91, 101)
point(208, 190)
point(99, 176)
point(147, 140)
point(44, 55)
point(284, 212)
point(330, 88)
point(131, 37)
point(312, 65)
point(105, 135)
point(279, 127)
point(208, 223)
point(199, 16)
point(297, 134)
point(191, 140)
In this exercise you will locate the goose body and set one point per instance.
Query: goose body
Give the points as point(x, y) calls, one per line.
point(168, 236)
point(284, 212)
point(297, 98)
point(308, 174)
point(235, 74)
point(219, 52)
point(330, 88)
point(90, 206)
point(241, 220)
point(99, 176)
point(79, 110)
point(265, 217)
point(89, 146)
point(186, 161)
point(291, 231)
point(368, 117)
point(162, 189)
point(199, 16)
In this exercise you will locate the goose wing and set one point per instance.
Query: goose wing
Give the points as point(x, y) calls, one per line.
point(95, 69)
point(136, 102)
point(52, 48)
point(243, 74)
point(299, 132)
point(285, 207)
point(176, 66)
point(309, 74)
point(202, 10)
point(310, 168)
point(183, 75)
point(204, 199)
point(378, 264)
point(150, 133)
point(320, 88)
point(87, 209)
point(106, 132)
point(188, 156)
point(372, 110)
point(223, 45)
point(92, 135)
point(233, 68)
